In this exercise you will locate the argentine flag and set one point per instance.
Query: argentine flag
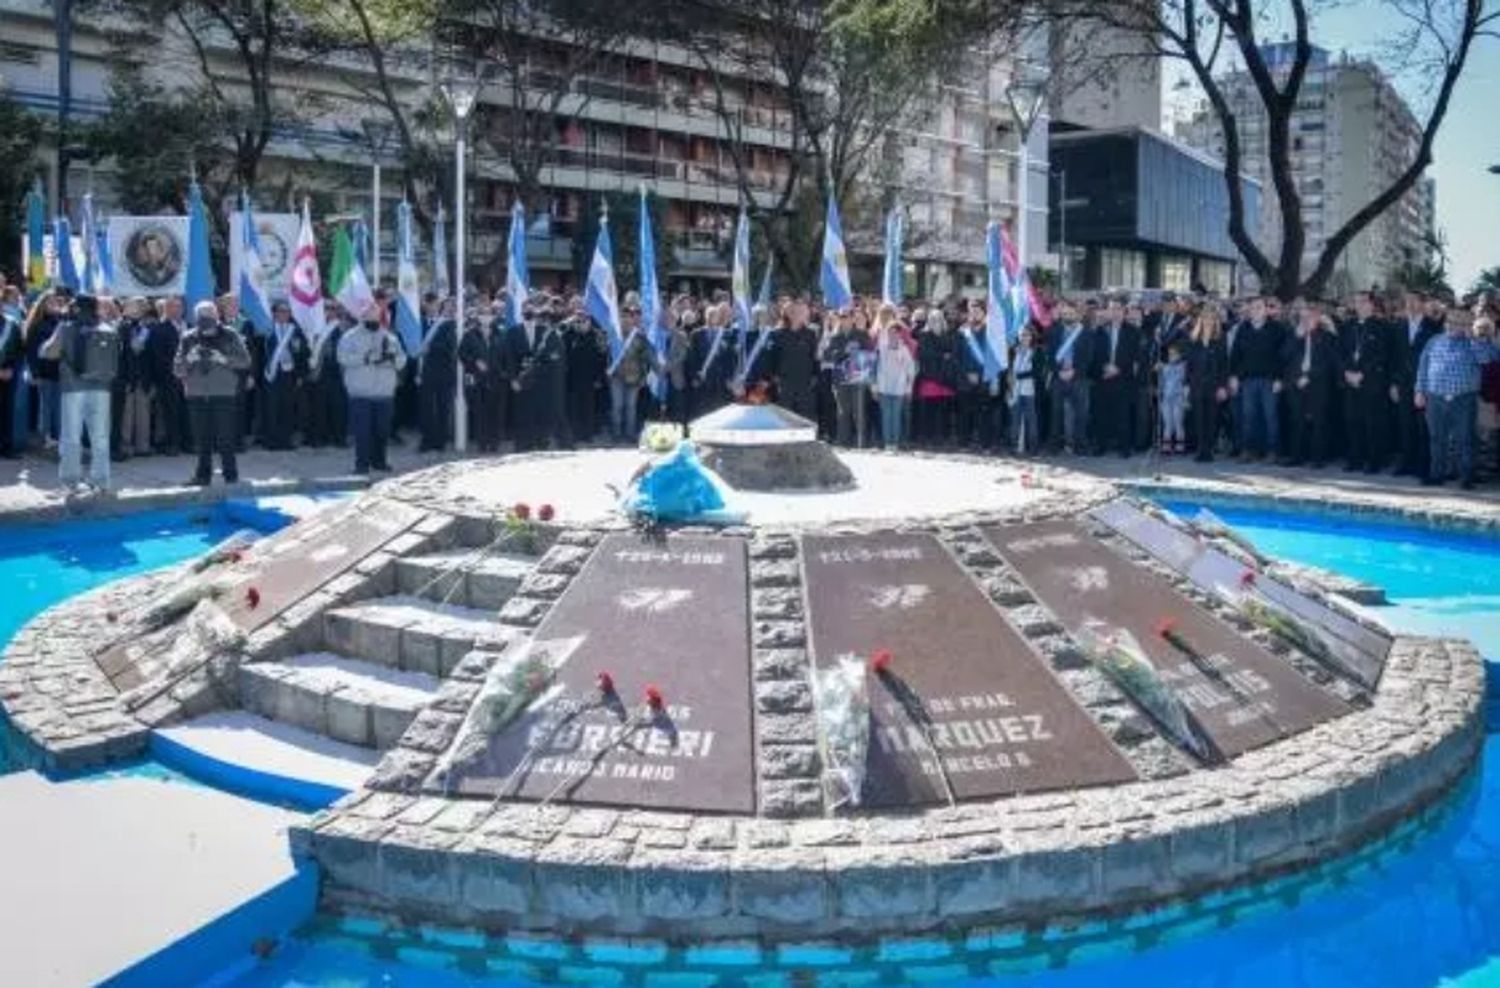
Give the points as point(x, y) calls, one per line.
point(440, 281)
point(517, 276)
point(740, 277)
point(104, 262)
point(895, 230)
point(835, 271)
point(408, 298)
point(86, 241)
point(1019, 296)
point(656, 333)
point(600, 297)
point(62, 243)
point(997, 330)
point(254, 305)
point(200, 272)
point(765, 281)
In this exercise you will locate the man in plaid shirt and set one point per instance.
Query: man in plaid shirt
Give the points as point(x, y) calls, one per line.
point(1447, 388)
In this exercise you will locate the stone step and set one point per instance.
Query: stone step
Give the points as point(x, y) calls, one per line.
point(411, 633)
point(344, 699)
point(458, 577)
point(269, 757)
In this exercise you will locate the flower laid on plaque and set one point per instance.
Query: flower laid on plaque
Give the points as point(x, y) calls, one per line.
point(1117, 654)
point(1287, 626)
point(841, 694)
point(516, 682)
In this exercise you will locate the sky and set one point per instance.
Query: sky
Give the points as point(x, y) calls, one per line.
point(1468, 196)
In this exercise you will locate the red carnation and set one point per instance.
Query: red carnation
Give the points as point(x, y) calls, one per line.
point(880, 660)
point(545, 513)
point(1247, 578)
point(1166, 628)
point(252, 595)
point(522, 510)
point(606, 684)
point(654, 699)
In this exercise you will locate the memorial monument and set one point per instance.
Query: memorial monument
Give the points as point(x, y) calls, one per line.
point(922, 694)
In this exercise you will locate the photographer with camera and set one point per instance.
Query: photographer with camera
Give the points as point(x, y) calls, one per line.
point(210, 359)
point(372, 359)
point(88, 356)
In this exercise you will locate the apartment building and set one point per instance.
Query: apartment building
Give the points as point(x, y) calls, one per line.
point(647, 113)
point(1352, 134)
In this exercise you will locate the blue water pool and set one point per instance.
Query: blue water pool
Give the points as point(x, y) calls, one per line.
point(42, 564)
point(1422, 914)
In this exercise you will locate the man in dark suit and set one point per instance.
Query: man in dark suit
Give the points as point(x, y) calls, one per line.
point(1119, 348)
point(1312, 361)
point(1365, 343)
point(537, 367)
point(437, 374)
point(170, 414)
point(1408, 338)
point(1071, 359)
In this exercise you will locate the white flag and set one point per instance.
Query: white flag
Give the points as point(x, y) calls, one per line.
point(306, 287)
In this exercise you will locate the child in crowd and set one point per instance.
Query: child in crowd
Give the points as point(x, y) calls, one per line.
point(1174, 400)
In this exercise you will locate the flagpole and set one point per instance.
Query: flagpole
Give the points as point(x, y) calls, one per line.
point(460, 402)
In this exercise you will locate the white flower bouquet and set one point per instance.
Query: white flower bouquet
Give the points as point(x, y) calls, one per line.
point(660, 437)
point(1285, 625)
point(1117, 654)
point(842, 695)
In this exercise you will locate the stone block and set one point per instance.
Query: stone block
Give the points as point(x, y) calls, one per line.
point(401, 770)
point(785, 887)
point(432, 732)
point(784, 603)
point(781, 663)
point(494, 876)
point(1138, 865)
point(1200, 852)
point(419, 651)
point(976, 887)
point(350, 718)
point(791, 798)
point(789, 761)
point(584, 882)
point(898, 887)
point(681, 885)
point(783, 697)
point(774, 574)
point(1063, 878)
point(524, 612)
point(414, 871)
point(779, 634)
point(1264, 836)
point(786, 729)
point(564, 559)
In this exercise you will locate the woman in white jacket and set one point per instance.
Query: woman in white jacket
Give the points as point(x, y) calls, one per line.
point(895, 373)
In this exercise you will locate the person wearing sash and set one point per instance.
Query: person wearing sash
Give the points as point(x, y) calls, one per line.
point(537, 367)
point(327, 405)
point(713, 358)
point(627, 373)
point(436, 358)
point(757, 373)
point(282, 369)
point(1072, 368)
point(132, 418)
point(1028, 366)
point(676, 365)
point(975, 430)
point(482, 352)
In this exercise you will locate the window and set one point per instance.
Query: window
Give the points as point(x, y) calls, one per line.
point(1122, 268)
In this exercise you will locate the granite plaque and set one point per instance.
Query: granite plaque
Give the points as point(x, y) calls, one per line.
point(671, 615)
point(1240, 694)
point(1359, 651)
point(966, 709)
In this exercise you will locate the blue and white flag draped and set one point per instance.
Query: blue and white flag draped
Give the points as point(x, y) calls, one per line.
point(254, 304)
point(200, 272)
point(895, 230)
point(835, 268)
point(86, 241)
point(1017, 286)
point(440, 280)
point(996, 322)
point(601, 299)
point(408, 294)
point(517, 275)
point(62, 243)
point(739, 286)
point(764, 298)
point(104, 261)
point(656, 333)
point(360, 234)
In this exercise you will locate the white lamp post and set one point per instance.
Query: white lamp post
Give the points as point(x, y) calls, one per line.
point(462, 92)
point(1026, 93)
point(377, 133)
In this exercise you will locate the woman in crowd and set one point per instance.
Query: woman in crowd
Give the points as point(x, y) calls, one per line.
point(1207, 362)
point(937, 369)
point(895, 373)
point(1027, 368)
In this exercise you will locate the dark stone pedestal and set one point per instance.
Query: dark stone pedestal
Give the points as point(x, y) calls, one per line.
point(809, 466)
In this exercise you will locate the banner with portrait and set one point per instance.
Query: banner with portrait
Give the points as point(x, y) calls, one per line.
point(150, 254)
point(278, 242)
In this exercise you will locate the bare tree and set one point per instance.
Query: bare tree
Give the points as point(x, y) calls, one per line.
point(1211, 37)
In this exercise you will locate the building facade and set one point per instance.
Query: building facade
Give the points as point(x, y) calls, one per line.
point(1351, 136)
point(645, 114)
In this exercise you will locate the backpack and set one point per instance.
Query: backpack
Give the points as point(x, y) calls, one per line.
point(96, 356)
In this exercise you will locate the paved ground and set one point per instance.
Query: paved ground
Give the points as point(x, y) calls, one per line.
point(31, 484)
point(100, 874)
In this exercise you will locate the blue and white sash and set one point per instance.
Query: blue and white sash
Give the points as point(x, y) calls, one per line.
point(273, 366)
point(760, 343)
point(624, 349)
point(975, 350)
point(1065, 352)
point(713, 351)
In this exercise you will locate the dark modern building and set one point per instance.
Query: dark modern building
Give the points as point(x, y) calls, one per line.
point(1135, 210)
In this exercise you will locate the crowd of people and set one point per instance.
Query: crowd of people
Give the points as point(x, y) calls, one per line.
point(1382, 383)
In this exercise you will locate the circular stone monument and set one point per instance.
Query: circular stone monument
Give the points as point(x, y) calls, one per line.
point(956, 698)
point(768, 448)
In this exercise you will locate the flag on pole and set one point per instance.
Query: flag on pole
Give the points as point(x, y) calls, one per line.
point(36, 236)
point(656, 333)
point(740, 277)
point(254, 305)
point(764, 298)
point(517, 273)
point(408, 297)
point(306, 284)
point(440, 281)
point(600, 296)
point(62, 243)
point(1025, 305)
point(835, 270)
point(104, 261)
point(347, 279)
point(360, 233)
point(895, 232)
point(86, 241)
point(997, 330)
point(200, 274)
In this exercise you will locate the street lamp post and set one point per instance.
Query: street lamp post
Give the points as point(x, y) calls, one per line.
point(377, 133)
point(462, 92)
point(1025, 94)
